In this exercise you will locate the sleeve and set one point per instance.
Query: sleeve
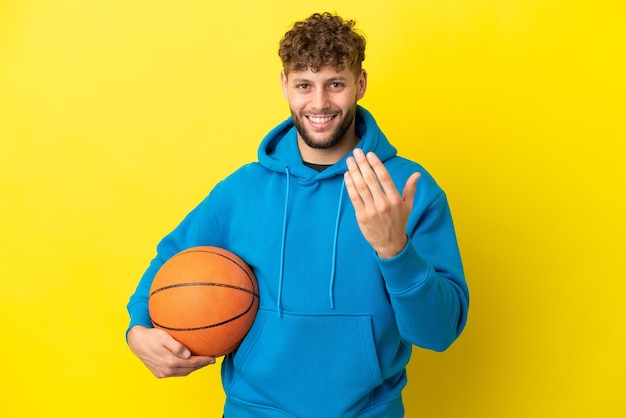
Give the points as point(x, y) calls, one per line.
point(426, 282)
point(199, 227)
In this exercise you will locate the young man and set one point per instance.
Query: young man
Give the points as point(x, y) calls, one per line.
point(352, 272)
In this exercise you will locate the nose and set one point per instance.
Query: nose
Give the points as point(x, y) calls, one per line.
point(320, 100)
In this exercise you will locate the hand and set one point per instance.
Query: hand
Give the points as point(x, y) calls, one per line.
point(162, 354)
point(382, 214)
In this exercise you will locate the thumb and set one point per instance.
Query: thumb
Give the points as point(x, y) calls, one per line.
point(178, 349)
point(408, 194)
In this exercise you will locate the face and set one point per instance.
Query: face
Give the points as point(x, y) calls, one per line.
point(323, 105)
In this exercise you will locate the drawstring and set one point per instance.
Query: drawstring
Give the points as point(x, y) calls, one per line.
point(331, 285)
point(279, 307)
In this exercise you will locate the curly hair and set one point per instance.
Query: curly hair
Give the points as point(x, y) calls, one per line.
point(322, 40)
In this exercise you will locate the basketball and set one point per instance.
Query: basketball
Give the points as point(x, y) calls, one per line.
point(206, 298)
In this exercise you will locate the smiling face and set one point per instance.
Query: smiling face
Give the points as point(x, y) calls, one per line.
point(323, 107)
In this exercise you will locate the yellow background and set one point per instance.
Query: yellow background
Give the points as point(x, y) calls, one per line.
point(118, 116)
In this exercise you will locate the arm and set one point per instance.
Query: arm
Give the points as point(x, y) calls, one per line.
point(422, 270)
point(160, 352)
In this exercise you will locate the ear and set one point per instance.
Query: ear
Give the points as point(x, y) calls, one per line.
point(361, 84)
point(283, 82)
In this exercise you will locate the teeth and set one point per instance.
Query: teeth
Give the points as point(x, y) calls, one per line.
point(320, 119)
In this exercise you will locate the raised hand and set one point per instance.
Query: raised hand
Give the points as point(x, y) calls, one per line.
point(381, 212)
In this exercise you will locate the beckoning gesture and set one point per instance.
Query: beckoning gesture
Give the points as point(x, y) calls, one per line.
point(381, 212)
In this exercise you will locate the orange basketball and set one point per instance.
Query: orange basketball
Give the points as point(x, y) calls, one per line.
point(206, 298)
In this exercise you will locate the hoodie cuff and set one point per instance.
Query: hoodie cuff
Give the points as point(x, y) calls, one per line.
point(139, 317)
point(404, 271)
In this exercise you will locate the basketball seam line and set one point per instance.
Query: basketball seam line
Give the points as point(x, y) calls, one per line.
point(206, 326)
point(230, 286)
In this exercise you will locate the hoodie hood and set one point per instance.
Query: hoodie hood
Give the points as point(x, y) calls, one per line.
point(279, 149)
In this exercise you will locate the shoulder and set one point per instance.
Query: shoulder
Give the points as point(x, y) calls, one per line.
point(244, 174)
point(245, 180)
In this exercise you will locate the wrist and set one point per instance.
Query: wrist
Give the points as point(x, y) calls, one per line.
point(132, 332)
point(392, 250)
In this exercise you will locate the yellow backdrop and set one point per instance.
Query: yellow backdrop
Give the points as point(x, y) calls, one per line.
point(118, 116)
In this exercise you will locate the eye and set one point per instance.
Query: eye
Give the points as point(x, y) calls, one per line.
point(302, 86)
point(336, 85)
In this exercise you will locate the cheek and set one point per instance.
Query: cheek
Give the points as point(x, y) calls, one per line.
point(347, 101)
point(298, 102)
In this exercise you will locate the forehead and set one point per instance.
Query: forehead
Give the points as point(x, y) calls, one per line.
point(323, 74)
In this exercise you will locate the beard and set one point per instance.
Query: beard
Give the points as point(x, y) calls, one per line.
point(333, 138)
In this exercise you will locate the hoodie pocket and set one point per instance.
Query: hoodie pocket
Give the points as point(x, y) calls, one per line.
point(307, 366)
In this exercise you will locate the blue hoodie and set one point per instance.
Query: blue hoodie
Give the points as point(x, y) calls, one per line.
point(336, 324)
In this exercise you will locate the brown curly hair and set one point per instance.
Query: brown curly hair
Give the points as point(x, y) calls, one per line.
point(322, 40)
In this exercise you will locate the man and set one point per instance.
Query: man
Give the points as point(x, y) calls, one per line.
point(351, 272)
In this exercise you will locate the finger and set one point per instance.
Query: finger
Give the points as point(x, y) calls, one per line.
point(187, 366)
point(201, 361)
point(182, 367)
point(408, 193)
point(368, 174)
point(359, 183)
point(176, 347)
point(180, 350)
point(384, 179)
point(353, 193)
point(177, 366)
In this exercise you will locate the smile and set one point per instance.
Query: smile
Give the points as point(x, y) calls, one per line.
point(320, 119)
